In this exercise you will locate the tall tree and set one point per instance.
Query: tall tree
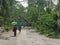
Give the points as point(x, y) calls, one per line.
point(5, 7)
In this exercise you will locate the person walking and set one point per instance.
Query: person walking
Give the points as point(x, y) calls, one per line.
point(14, 24)
point(15, 30)
point(19, 26)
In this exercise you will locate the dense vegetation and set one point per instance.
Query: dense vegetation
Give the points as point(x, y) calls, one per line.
point(43, 16)
point(10, 10)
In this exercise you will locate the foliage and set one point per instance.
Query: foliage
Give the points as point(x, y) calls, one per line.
point(46, 20)
point(47, 23)
point(10, 10)
point(5, 9)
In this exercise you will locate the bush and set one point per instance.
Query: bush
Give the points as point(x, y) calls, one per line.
point(47, 24)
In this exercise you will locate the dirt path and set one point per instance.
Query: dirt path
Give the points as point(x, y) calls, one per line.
point(27, 37)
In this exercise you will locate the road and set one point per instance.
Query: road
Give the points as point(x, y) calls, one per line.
point(27, 37)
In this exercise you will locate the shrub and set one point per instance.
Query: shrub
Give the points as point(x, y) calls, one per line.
point(47, 24)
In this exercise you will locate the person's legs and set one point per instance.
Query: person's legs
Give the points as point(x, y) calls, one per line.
point(19, 30)
point(15, 33)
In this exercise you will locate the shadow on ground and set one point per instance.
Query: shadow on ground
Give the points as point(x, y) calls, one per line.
point(4, 38)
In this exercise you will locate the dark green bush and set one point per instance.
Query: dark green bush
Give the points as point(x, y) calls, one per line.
point(47, 24)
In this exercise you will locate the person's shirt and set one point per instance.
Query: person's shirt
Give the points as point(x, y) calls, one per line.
point(19, 24)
